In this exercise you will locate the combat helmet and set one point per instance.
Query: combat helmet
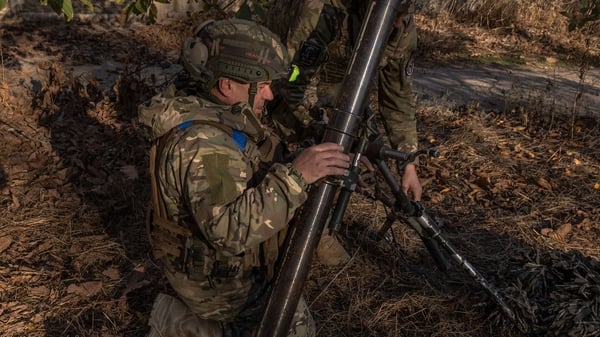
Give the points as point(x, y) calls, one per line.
point(235, 48)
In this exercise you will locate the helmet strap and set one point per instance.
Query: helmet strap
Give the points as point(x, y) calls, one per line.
point(254, 119)
point(252, 93)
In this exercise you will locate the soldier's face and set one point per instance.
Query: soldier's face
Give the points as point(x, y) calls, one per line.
point(263, 95)
point(240, 93)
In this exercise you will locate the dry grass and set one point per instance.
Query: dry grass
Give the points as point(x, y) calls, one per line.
point(502, 13)
point(486, 190)
point(512, 31)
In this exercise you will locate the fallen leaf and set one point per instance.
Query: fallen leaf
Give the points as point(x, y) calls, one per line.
point(5, 242)
point(136, 279)
point(560, 234)
point(563, 230)
point(483, 182)
point(426, 182)
point(112, 273)
point(585, 224)
point(517, 147)
point(86, 289)
point(62, 174)
point(16, 202)
point(543, 183)
point(40, 291)
point(435, 197)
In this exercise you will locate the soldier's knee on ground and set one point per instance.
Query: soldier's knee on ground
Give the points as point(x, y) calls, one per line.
point(170, 317)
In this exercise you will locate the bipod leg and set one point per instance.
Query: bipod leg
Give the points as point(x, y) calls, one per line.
point(430, 227)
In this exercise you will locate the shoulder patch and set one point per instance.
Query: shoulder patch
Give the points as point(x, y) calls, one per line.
point(185, 125)
point(240, 139)
point(222, 186)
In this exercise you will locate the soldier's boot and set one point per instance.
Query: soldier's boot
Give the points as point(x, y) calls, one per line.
point(303, 324)
point(170, 317)
point(330, 251)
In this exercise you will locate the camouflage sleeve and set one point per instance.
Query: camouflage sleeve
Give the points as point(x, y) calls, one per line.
point(315, 24)
point(313, 29)
point(317, 19)
point(396, 101)
point(210, 173)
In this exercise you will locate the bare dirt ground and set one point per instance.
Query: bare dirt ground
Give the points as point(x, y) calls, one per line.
point(516, 189)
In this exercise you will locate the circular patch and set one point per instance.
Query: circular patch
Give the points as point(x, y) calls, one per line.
point(410, 67)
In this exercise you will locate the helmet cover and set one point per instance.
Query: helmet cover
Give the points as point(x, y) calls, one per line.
point(235, 48)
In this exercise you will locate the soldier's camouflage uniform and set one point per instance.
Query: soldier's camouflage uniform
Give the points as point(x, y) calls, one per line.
point(227, 208)
point(320, 40)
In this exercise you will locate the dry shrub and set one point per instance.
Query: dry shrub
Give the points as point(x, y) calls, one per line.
point(502, 13)
point(536, 14)
point(486, 13)
point(514, 31)
point(167, 38)
point(574, 10)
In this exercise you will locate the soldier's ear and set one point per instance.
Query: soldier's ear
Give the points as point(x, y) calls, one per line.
point(224, 86)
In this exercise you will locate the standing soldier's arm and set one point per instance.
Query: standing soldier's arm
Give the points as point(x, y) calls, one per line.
point(396, 101)
point(316, 25)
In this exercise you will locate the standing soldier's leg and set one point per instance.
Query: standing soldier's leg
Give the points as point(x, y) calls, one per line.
point(396, 101)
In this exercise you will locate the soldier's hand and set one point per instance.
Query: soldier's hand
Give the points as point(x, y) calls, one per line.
point(410, 183)
point(322, 160)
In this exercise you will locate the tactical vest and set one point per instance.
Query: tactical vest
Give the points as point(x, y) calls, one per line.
point(182, 246)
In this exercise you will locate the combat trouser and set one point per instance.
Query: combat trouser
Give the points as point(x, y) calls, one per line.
point(170, 317)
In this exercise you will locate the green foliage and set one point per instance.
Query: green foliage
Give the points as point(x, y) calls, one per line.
point(64, 7)
point(585, 11)
point(141, 8)
point(88, 4)
point(216, 9)
point(148, 9)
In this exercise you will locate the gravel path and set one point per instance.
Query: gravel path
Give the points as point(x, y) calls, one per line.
point(553, 88)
